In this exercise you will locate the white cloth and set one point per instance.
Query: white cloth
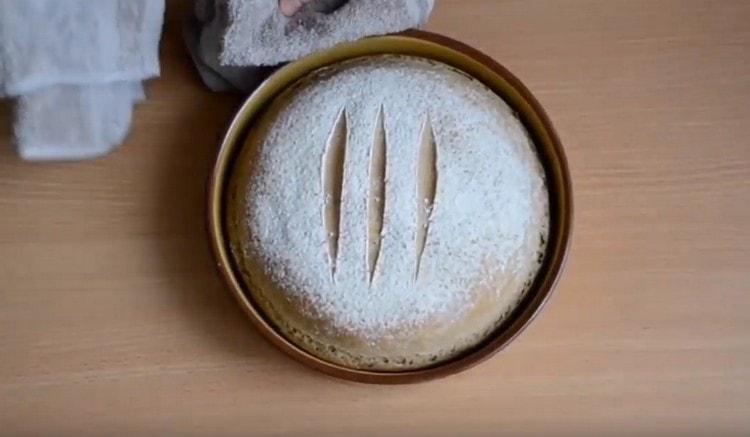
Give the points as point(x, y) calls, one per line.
point(75, 67)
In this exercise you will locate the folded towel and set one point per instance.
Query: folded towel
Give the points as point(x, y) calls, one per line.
point(259, 34)
point(230, 39)
point(75, 67)
point(65, 122)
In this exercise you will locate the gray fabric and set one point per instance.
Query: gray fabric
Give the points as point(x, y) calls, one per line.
point(203, 35)
point(257, 33)
point(235, 44)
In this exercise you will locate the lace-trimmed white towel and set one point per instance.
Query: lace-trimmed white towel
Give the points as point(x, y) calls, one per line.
point(75, 67)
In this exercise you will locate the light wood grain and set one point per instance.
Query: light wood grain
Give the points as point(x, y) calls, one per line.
point(113, 319)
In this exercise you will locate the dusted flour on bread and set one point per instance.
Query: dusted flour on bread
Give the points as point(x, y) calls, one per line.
point(390, 212)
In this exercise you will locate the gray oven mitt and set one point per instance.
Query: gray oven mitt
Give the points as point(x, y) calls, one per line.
point(236, 43)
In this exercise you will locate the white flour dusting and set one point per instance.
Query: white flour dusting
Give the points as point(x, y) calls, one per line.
point(490, 207)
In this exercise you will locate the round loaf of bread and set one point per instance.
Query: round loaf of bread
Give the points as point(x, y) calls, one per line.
point(387, 213)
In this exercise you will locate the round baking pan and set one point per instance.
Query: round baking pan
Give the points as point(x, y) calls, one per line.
point(471, 62)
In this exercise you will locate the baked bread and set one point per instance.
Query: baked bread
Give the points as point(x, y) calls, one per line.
point(387, 213)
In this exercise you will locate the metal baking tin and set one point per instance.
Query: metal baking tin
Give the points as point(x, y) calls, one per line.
point(471, 62)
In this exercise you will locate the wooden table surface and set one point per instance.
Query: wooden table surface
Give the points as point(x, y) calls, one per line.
point(112, 317)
